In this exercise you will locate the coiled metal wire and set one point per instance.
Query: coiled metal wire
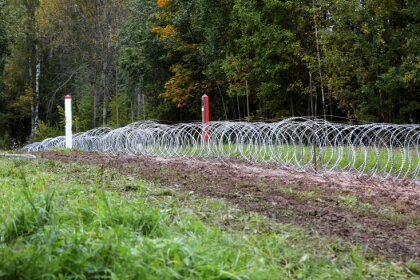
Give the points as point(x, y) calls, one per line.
point(298, 143)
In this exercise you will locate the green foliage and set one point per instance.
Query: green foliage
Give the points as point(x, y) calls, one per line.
point(45, 131)
point(4, 40)
point(17, 80)
point(372, 66)
point(5, 141)
point(269, 56)
point(4, 48)
point(62, 117)
point(144, 67)
point(120, 110)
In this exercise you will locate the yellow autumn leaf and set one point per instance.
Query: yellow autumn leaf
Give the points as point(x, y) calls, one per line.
point(162, 3)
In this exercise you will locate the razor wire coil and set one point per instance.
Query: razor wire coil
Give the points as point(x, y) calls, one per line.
point(298, 143)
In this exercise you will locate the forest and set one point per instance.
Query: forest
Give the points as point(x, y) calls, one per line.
point(129, 60)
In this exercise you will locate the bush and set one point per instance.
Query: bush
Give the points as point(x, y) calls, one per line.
point(45, 131)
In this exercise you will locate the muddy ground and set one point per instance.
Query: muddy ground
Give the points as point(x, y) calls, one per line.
point(382, 215)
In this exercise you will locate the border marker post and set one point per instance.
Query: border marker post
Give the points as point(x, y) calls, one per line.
point(68, 117)
point(205, 117)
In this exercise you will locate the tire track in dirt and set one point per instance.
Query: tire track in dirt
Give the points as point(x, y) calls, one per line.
point(337, 204)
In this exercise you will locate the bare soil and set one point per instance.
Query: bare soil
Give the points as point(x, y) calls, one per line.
point(382, 215)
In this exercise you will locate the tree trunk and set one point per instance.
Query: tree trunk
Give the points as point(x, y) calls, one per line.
point(95, 106)
point(311, 98)
point(106, 63)
point(318, 52)
point(138, 106)
point(234, 115)
point(247, 98)
point(116, 98)
point(381, 105)
point(239, 110)
point(144, 108)
point(292, 107)
point(105, 100)
point(132, 109)
point(223, 102)
point(35, 99)
point(37, 80)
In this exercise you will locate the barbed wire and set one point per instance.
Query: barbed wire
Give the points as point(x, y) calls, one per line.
point(298, 143)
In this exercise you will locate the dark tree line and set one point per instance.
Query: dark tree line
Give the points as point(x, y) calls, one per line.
point(127, 60)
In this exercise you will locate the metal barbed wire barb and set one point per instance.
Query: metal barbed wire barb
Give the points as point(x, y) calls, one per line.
point(385, 150)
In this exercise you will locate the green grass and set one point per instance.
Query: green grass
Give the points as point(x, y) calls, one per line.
point(367, 160)
point(68, 221)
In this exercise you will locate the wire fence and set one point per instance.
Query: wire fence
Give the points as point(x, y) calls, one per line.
point(299, 143)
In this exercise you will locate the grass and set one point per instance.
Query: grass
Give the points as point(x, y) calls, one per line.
point(67, 221)
point(397, 162)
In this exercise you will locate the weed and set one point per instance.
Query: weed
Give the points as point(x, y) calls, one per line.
point(348, 200)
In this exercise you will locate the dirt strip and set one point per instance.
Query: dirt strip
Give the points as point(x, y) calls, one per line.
point(383, 215)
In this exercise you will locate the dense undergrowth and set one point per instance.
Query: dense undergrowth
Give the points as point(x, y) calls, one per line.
point(66, 221)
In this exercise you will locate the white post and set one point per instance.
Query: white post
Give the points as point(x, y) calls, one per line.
point(69, 134)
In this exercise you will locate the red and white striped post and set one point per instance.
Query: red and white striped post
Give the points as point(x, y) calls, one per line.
point(205, 118)
point(68, 118)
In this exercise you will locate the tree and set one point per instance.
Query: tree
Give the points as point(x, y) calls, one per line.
point(174, 28)
point(371, 58)
point(4, 51)
point(127, 60)
point(145, 69)
point(87, 32)
point(267, 52)
point(22, 70)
